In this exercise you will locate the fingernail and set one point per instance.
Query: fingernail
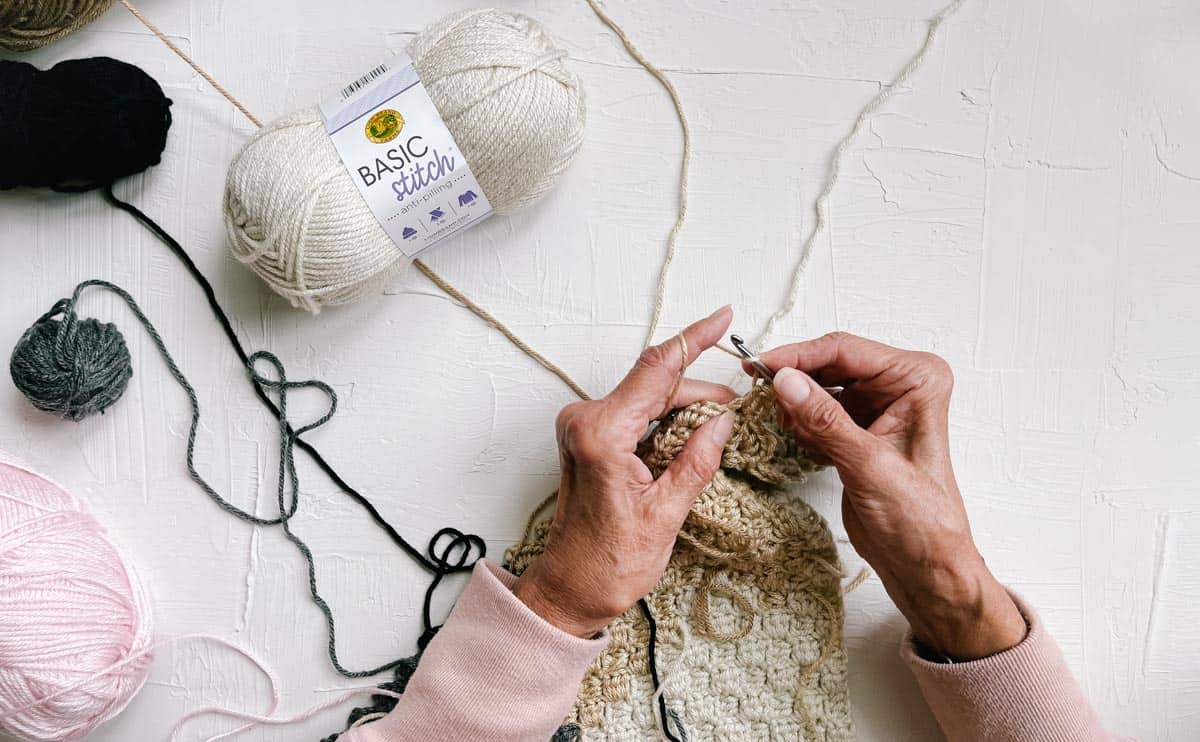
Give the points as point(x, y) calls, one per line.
point(720, 430)
point(726, 308)
point(791, 385)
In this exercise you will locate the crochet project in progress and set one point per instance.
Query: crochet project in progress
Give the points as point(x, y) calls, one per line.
point(749, 613)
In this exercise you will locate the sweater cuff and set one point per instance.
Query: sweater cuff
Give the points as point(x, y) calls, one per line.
point(496, 670)
point(1026, 692)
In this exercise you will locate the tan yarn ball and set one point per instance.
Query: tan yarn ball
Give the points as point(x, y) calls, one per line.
point(295, 217)
point(31, 24)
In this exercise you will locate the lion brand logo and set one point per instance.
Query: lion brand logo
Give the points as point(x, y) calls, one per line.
point(384, 126)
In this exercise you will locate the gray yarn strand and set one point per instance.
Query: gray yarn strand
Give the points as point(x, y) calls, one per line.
point(68, 334)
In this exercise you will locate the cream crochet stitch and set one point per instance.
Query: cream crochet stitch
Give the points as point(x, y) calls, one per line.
point(749, 611)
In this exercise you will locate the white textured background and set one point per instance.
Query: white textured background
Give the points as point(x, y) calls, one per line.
point(1029, 207)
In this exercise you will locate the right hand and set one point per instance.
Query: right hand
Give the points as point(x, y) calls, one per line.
point(887, 434)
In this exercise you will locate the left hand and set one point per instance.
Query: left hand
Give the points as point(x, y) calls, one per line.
point(615, 525)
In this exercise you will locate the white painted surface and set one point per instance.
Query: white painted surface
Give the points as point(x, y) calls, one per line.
point(1027, 208)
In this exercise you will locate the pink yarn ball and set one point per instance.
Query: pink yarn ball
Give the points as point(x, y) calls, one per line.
point(75, 624)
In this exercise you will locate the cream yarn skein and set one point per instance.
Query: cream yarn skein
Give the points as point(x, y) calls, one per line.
point(295, 217)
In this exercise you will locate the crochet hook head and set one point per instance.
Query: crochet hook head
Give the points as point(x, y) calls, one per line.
point(760, 368)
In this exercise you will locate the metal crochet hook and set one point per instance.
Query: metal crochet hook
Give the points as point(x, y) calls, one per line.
point(765, 373)
point(761, 369)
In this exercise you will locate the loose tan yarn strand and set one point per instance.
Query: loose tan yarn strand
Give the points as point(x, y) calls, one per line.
point(863, 575)
point(182, 55)
point(487, 317)
point(701, 607)
point(832, 638)
point(683, 364)
point(821, 207)
point(684, 167)
point(712, 552)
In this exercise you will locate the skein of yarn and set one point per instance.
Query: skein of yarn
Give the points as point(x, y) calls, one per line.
point(73, 369)
point(80, 124)
point(31, 24)
point(516, 111)
point(75, 622)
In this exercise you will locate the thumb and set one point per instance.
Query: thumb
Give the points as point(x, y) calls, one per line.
point(821, 420)
point(694, 467)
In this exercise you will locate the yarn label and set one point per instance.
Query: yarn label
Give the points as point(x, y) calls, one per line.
point(402, 157)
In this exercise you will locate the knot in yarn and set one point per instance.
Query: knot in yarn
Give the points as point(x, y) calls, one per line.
point(76, 630)
point(31, 24)
point(294, 215)
point(73, 368)
point(82, 123)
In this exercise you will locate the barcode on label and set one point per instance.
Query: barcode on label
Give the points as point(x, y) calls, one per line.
point(358, 84)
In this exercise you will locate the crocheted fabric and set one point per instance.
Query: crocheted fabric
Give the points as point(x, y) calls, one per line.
point(749, 611)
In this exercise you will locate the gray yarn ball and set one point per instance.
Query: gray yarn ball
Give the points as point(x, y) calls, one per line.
point(73, 372)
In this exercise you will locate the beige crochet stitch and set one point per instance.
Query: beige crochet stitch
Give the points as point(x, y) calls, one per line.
point(749, 611)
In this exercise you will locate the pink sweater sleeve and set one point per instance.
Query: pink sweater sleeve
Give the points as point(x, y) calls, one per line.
point(496, 671)
point(1024, 693)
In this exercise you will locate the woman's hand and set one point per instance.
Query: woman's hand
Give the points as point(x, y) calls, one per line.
point(615, 525)
point(888, 435)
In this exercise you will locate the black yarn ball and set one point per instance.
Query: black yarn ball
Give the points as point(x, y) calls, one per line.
point(81, 124)
point(73, 371)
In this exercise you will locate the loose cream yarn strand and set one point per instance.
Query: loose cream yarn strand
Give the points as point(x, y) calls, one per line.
point(684, 166)
point(822, 204)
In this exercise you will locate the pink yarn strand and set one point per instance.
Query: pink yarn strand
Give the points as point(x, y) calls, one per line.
point(261, 719)
point(68, 597)
point(146, 652)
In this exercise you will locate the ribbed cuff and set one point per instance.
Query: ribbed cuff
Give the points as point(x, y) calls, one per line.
point(1021, 694)
point(495, 671)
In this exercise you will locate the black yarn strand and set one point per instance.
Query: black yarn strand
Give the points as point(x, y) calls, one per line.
point(664, 715)
point(459, 553)
point(210, 295)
